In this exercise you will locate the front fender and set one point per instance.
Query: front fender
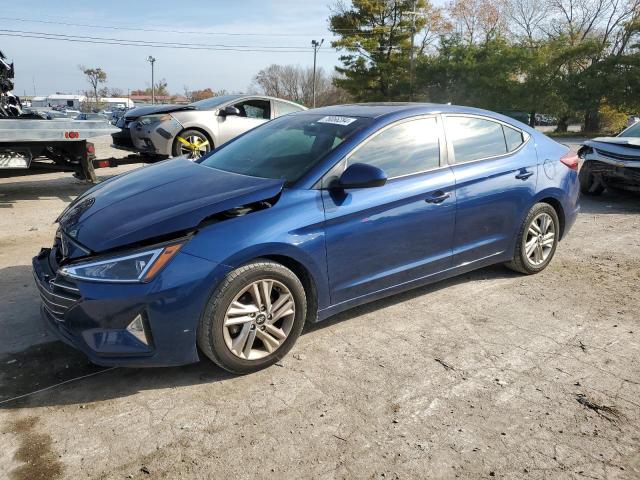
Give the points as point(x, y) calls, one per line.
point(292, 228)
point(316, 271)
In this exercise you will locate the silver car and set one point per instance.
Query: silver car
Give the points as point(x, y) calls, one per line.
point(197, 128)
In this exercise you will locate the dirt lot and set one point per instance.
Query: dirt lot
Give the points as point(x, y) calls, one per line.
point(492, 374)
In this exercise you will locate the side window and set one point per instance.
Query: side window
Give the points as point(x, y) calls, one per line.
point(406, 148)
point(513, 137)
point(282, 108)
point(260, 109)
point(475, 138)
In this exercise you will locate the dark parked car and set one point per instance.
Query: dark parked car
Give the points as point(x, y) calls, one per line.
point(303, 217)
point(611, 162)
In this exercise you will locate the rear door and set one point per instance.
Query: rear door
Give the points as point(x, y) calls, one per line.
point(253, 112)
point(380, 237)
point(495, 167)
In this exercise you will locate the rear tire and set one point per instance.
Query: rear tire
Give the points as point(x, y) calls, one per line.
point(243, 330)
point(589, 183)
point(537, 240)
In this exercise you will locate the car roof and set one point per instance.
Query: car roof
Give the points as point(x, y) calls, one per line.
point(406, 109)
point(375, 110)
point(237, 96)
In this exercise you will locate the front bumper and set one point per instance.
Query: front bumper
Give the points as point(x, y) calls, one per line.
point(156, 138)
point(122, 140)
point(93, 317)
point(617, 170)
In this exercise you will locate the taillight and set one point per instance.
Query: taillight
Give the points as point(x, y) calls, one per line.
point(570, 160)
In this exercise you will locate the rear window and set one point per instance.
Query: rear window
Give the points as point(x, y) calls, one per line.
point(513, 138)
point(477, 138)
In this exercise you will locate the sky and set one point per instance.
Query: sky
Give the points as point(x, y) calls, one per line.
point(50, 66)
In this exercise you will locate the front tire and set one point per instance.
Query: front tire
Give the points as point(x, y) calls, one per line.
point(253, 318)
point(191, 143)
point(589, 183)
point(537, 240)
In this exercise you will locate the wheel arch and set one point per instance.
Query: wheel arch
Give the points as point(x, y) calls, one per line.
point(305, 276)
point(553, 198)
point(310, 272)
point(557, 206)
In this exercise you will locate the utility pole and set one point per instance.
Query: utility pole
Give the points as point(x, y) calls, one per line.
point(411, 61)
point(316, 45)
point(152, 60)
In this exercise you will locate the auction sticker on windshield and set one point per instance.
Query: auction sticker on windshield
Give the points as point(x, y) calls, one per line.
point(336, 120)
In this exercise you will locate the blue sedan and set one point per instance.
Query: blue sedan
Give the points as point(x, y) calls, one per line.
point(294, 221)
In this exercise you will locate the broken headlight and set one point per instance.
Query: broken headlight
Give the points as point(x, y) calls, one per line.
point(151, 119)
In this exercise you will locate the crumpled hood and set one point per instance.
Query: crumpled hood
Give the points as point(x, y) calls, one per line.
point(154, 109)
point(631, 142)
point(167, 197)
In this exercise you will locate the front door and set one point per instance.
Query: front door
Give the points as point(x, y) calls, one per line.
point(252, 113)
point(380, 237)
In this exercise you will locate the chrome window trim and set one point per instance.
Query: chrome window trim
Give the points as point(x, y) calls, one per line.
point(451, 153)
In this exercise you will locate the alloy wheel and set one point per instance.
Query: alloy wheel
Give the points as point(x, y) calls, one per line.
point(259, 319)
point(193, 146)
point(541, 236)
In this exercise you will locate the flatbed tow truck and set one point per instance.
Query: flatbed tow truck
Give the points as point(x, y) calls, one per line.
point(31, 143)
point(58, 145)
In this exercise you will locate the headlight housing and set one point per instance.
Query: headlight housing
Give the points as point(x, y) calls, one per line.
point(151, 119)
point(136, 267)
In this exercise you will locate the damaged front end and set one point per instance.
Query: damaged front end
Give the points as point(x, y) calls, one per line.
point(609, 164)
point(118, 283)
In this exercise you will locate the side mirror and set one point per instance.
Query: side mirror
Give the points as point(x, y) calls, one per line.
point(229, 110)
point(361, 175)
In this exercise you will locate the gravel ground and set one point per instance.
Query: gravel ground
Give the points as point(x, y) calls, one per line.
point(489, 375)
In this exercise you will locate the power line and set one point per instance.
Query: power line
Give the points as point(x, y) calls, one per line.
point(161, 29)
point(160, 44)
point(151, 44)
point(188, 44)
point(157, 29)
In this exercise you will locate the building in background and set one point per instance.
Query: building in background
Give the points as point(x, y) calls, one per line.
point(74, 101)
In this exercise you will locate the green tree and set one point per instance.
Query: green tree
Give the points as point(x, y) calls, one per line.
point(375, 38)
point(484, 75)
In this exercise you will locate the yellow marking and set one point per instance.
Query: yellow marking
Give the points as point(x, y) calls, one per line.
point(184, 142)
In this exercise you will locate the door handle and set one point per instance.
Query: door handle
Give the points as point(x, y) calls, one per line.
point(524, 174)
point(437, 197)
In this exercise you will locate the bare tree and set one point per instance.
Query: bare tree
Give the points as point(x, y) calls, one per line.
point(525, 18)
point(296, 83)
point(579, 20)
point(435, 26)
point(95, 76)
point(476, 20)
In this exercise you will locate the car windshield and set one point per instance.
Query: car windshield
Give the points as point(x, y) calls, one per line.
point(213, 102)
point(285, 148)
point(632, 131)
